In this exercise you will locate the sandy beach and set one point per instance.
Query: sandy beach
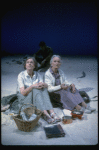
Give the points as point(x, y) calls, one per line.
point(79, 132)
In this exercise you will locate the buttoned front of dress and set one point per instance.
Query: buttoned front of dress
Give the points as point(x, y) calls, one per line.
point(56, 76)
point(30, 80)
point(24, 80)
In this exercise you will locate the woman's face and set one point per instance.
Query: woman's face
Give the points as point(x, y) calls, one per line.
point(30, 65)
point(56, 63)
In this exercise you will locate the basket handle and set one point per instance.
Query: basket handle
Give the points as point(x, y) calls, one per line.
point(23, 105)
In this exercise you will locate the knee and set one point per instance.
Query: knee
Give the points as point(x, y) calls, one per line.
point(45, 90)
point(21, 96)
point(35, 90)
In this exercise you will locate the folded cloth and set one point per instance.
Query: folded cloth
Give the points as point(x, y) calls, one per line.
point(8, 99)
point(67, 112)
point(54, 131)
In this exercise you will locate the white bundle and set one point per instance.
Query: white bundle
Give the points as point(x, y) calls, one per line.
point(6, 119)
point(67, 112)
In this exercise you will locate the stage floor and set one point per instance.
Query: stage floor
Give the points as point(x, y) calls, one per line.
point(80, 132)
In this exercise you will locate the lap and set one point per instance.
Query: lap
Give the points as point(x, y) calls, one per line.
point(38, 98)
point(66, 97)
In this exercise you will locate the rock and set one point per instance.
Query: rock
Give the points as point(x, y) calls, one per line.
point(25, 57)
point(13, 60)
point(19, 62)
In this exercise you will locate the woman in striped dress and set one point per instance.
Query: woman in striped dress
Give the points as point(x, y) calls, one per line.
point(62, 93)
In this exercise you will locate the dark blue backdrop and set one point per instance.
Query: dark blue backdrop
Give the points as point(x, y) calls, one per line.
point(69, 28)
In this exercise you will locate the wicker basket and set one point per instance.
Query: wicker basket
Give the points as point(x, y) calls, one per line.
point(27, 125)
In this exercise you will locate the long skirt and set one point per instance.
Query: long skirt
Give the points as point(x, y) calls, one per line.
point(39, 98)
point(65, 99)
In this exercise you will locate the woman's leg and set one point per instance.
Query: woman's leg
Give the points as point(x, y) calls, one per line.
point(70, 100)
point(51, 111)
point(38, 100)
point(46, 99)
point(25, 99)
point(47, 117)
point(85, 108)
point(84, 104)
point(88, 109)
point(45, 104)
point(78, 107)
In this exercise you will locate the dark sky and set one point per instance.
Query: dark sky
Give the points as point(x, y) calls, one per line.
point(69, 28)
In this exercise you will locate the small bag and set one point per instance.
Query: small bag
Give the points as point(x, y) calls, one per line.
point(77, 114)
point(85, 96)
point(27, 125)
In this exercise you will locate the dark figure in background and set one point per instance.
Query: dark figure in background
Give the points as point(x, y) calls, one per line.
point(44, 55)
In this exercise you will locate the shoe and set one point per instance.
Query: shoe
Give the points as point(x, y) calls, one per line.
point(48, 119)
point(54, 116)
point(89, 109)
point(82, 109)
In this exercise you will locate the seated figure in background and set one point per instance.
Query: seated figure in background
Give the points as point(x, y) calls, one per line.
point(44, 55)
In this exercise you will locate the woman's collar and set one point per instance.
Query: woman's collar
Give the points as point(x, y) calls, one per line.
point(52, 70)
point(27, 75)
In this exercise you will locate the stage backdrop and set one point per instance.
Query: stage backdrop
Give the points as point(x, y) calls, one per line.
point(69, 28)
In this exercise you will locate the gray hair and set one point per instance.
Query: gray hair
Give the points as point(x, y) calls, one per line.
point(35, 62)
point(55, 56)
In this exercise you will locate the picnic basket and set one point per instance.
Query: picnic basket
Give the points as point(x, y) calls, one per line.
point(27, 125)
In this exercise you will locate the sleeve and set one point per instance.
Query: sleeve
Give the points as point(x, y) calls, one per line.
point(51, 87)
point(20, 81)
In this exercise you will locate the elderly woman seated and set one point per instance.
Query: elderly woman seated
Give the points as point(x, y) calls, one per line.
point(32, 90)
point(62, 93)
point(30, 80)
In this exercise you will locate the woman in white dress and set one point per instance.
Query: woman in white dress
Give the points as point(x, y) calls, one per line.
point(33, 90)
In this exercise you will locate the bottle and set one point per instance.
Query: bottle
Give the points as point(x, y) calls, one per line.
point(24, 116)
point(33, 116)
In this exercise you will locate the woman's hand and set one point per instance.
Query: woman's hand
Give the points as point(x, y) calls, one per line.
point(73, 88)
point(64, 87)
point(40, 85)
point(37, 86)
point(43, 85)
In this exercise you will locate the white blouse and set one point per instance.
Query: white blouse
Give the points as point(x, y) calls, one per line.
point(24, 80)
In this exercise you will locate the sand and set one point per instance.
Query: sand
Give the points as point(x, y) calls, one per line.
point(79, 132)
